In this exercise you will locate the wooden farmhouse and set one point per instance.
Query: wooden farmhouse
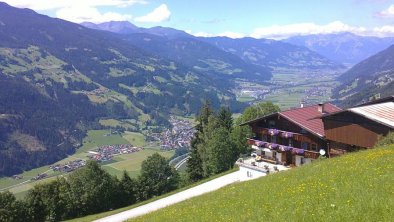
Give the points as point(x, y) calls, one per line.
point(359, 127)
point(299, 136)
point(293, 137)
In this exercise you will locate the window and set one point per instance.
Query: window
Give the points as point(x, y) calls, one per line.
point(305, 145)
point(271, 123)
point(264, 138)
point(290, 142)
point(302, 160)
point(273, 139)
point(314, 147)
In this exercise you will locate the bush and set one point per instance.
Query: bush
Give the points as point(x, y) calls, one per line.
point(387, 140)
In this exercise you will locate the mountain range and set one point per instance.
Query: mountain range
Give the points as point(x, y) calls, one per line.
point(345, 48)
point(261, 52)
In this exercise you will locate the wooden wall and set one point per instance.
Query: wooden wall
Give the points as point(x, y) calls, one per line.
point(354, 130)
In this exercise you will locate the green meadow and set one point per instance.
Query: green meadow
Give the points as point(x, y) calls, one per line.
point(355, 187)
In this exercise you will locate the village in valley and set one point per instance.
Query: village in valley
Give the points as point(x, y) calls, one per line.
point(178, 136)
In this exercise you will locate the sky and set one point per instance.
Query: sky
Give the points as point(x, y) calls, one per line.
point(276, 19)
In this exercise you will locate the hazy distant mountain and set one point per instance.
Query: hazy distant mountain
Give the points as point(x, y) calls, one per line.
point(122, 27)
point(368, 78)
point(273, 53)
point(345, 48)
point(125, 27)
point(262, 52)
point(200, 55)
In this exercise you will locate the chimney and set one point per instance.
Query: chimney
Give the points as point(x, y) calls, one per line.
point(320, 107)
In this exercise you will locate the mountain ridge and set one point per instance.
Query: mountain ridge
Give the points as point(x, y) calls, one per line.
point(346, 48)
point(372, 77)
point(261, 52)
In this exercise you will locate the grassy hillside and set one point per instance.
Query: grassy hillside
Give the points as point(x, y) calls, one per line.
point(355, 187)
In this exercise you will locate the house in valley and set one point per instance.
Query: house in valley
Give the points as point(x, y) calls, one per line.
point(288, 138)
point(359, 127)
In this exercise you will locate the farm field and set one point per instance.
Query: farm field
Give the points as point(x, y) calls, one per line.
point(129, 162)
point(288, 88)
point(132, 162)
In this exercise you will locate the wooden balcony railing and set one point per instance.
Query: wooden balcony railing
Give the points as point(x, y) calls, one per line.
point(305, 153)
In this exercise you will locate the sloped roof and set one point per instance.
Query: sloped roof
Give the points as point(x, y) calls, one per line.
point(307, 117)
point(382, 113)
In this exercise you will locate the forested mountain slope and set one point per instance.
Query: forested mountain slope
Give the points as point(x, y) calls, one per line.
point(79, 75)
point(40, 124)
point(368, 79)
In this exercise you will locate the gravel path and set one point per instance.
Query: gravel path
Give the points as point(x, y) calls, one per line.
point(175, 198)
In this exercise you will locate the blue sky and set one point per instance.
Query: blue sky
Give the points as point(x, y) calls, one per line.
point(233, 18)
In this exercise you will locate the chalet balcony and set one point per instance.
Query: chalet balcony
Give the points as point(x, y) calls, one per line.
point(279, 148)
point(260, 165)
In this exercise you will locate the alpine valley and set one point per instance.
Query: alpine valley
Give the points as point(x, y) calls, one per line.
point(59, 79)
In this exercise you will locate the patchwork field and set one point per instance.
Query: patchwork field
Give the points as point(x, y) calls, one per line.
point(129, 162)
point(288, 88)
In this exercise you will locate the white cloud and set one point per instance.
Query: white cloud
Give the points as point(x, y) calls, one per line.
point(387, 13)
point(89, 14)
point(233, 35)
point(383, 31)
point(159, 14)
point(201, 34)
point(58, 4)
point(280, 32)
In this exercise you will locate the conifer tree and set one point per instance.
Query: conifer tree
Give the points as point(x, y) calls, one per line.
point(225, 118)
point(194, 163)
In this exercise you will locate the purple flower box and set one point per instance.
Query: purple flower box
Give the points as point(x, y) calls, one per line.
point(286, 135)
point(298, 151)
point(274, 146)
point(260, 143)
point(273, 132)
point(285, 148)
